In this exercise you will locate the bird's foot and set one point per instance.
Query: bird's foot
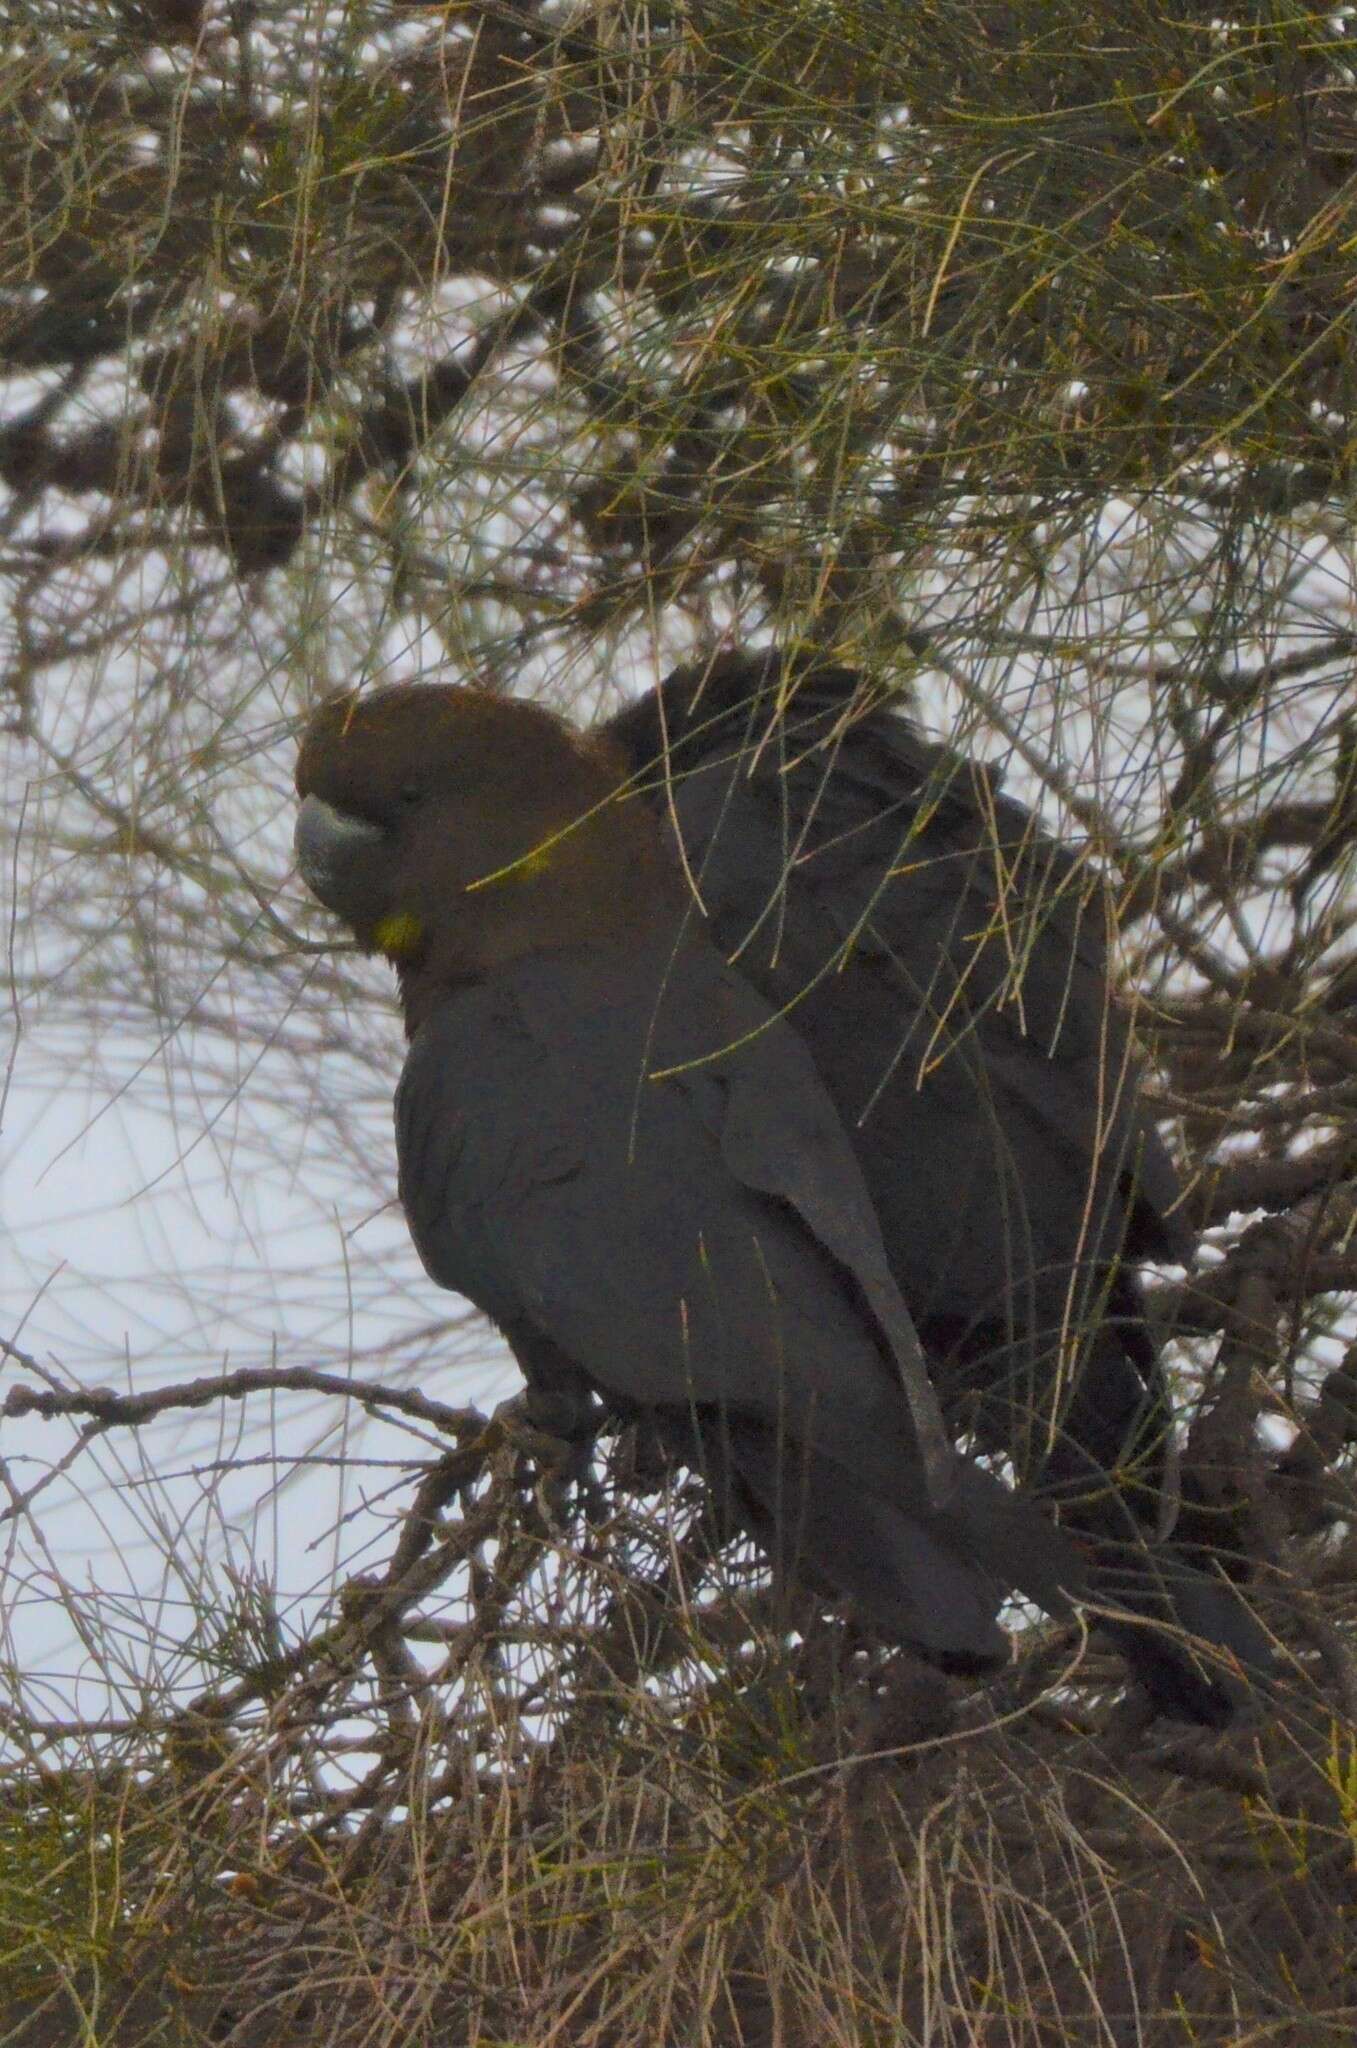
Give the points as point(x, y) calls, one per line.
point(552, 1438)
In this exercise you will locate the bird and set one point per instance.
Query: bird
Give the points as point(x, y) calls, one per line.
point(945, 961)
point(764, 1083)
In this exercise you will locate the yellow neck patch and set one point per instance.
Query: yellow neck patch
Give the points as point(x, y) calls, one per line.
point(399, 934)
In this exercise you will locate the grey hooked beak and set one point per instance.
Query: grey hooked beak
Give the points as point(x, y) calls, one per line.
point(339, 858)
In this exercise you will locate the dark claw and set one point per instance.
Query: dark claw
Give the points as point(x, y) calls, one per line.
point(545, 1429)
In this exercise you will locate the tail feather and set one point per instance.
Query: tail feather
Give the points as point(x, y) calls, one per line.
point(905, 1577)
point(937, 1581)
point(1187, 1634)
point(1188, 1637)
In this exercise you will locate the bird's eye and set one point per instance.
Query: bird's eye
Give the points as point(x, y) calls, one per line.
point(411, 793)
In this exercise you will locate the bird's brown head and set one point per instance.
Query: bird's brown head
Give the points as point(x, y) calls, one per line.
point(454, 830)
